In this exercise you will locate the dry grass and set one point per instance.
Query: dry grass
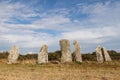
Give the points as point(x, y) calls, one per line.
point(71, 71)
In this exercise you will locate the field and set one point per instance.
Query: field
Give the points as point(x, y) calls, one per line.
point(68, 71)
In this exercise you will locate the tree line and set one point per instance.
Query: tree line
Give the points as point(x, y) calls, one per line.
point(55, 56)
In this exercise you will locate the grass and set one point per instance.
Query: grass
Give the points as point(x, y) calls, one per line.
point(68, 71)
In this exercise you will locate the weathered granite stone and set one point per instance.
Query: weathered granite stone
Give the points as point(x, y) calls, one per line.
point(43, 55)
point(77, 56)
point(102, 54)
point(106, 55)
point(99, 54)
point(65, 51)
point(13, 55)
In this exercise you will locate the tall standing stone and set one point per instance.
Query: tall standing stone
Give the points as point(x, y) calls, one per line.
point(102, 54)
point(43, 55)
point(65, 51)
point(13, 55)
point(99, 54)
point(77, 56)
point(106, 55)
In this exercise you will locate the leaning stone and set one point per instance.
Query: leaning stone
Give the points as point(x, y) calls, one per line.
point(99, 55)
point(106, 55)
point(65, 51)
point(13, 55)
point(43, 55)
point(77, 52)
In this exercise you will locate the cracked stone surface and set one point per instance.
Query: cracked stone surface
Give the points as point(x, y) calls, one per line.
point(66, 55)
point(13, 55)
point(77, 56)
point(43, 55)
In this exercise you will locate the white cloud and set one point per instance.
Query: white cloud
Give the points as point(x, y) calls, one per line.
point(103, 14)
point(8, 10)
point(101, 25)
point(28, 40)
point(92, 35)
point(51, 22)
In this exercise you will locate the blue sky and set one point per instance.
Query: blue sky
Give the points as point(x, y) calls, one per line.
point(32, 23)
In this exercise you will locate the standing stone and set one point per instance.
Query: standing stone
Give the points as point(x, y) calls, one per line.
point(102, 54)
point(65, 51)
point(43, 55)
point(13, 55)
point(77, 52)
point(106, 55)
point(99, 54)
